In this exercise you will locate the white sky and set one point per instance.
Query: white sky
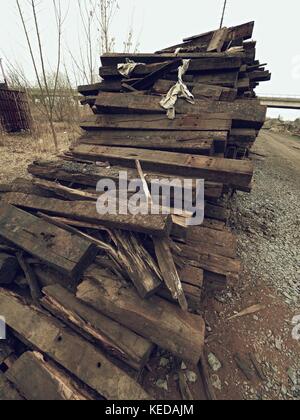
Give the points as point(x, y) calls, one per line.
point(160, 23)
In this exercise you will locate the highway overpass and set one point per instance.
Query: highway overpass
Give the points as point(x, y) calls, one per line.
point(281, 101)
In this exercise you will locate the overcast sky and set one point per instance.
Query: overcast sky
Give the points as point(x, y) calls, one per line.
point(160, 23)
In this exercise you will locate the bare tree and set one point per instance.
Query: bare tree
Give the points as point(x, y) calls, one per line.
point(48, 95)
point(108, 9)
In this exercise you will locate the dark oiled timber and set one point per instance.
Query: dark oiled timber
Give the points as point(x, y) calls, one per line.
point(213, 241)
point(199, 90)
point(202, 42)
point(200, 122)
point(213, 263)
point(140, 70)
point(88, 175)
point(157, 141)
point(148, 136)
point(38, 380)
point(250, 114)
point(177, 331)
point(244, 31)
point(113, 59)
point(227, 79)
point(242, 136)
point(148, 81)
point(196, 65)
point(60, 249)
point(114, 338)
point(68, 349)
point(89, 90)
point(231, 172)
point(159, 225)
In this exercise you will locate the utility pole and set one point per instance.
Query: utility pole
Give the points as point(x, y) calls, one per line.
point(223, 14)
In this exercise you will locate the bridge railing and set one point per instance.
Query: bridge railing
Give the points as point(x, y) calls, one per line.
point(278, 95)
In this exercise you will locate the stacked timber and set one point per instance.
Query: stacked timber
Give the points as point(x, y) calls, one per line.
point(222, 75)
point(119, 286)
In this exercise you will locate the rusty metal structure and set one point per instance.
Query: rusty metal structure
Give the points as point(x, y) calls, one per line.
point(15, 113)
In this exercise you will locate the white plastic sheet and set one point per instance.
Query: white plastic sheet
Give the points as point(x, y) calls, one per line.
point(126, 69)
point(179, 90)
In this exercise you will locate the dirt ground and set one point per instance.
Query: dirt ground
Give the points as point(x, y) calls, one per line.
point(267, 224)
point(19, 150)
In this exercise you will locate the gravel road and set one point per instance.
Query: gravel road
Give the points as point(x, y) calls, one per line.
point(267, 225)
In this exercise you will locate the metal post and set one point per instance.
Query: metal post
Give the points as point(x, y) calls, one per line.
point(223, 14)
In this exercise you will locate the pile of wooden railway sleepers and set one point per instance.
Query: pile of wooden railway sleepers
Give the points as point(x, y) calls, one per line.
point(87, 297)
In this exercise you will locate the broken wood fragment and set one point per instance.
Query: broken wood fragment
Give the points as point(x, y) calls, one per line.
point(163, 323)
point(31, 278)
point(68, 349)
point(169, 271)
point(38, 380)
point(114, 338)
point(52, 245)
point(86, 211)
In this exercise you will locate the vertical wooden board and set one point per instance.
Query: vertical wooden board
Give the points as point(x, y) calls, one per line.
point(169, 271)
point(218, 40)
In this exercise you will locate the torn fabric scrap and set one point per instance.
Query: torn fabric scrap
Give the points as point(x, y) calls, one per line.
point(126, 69)
point(179, 90)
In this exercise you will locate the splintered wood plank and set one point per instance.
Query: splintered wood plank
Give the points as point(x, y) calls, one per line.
point(159, 321)
point(139, 266)
point(85, 211)
point(158, 70)
point(69, 350)
point(141, 70)
point(218, 40)
point(244, 31)
point(202, 122)
point(192, 279)
point(169, 271)
point(117, 340)
point(56, 247)
point(202, 41)
point(89, 175)
point(230, 172)
point(38, 380)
